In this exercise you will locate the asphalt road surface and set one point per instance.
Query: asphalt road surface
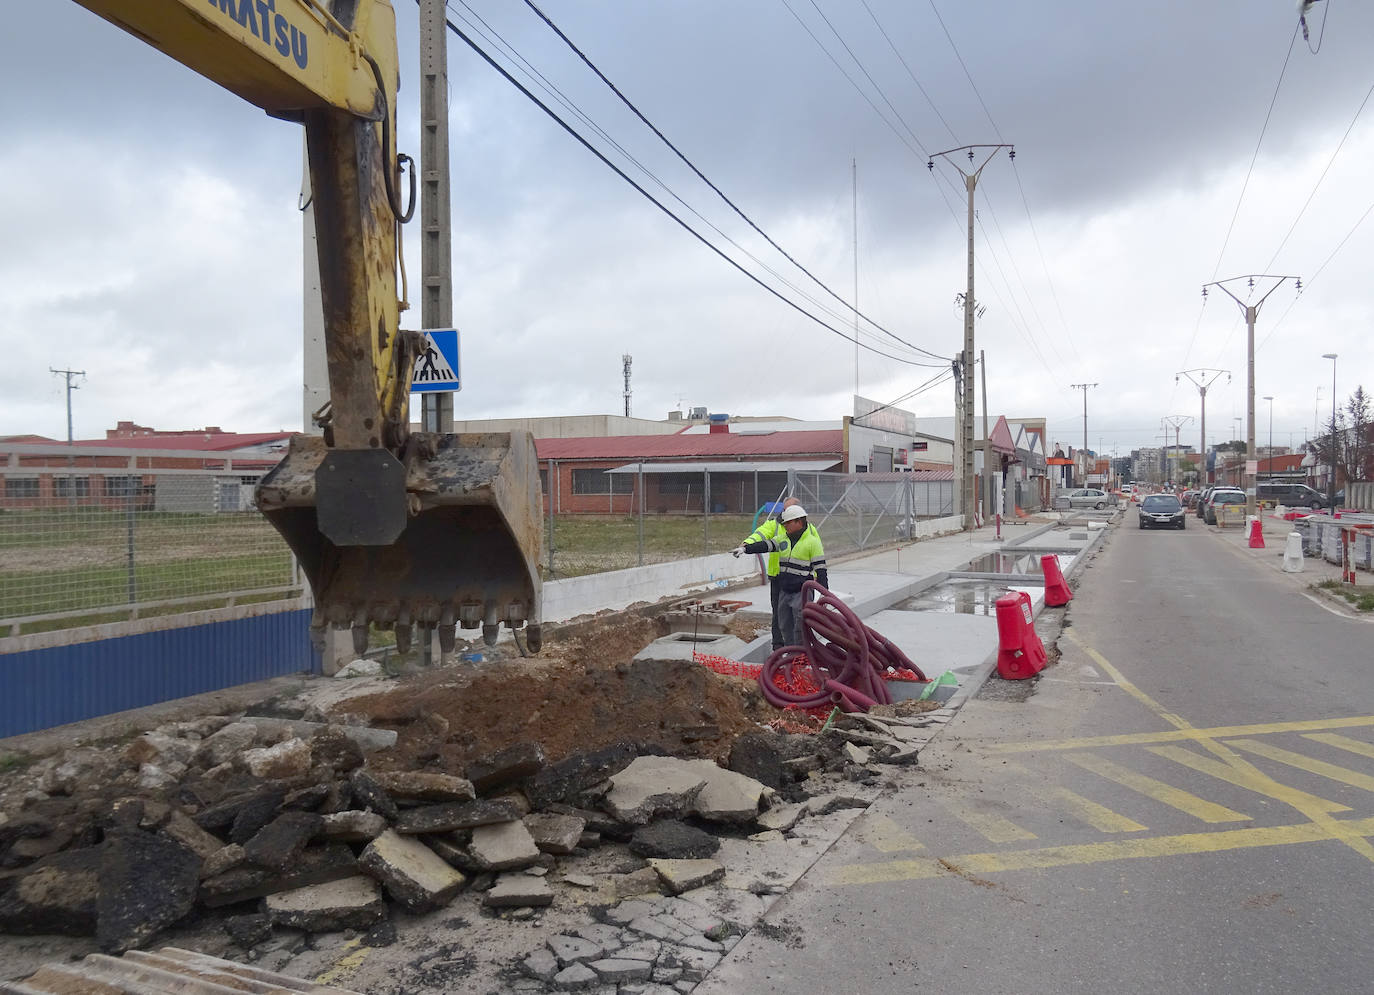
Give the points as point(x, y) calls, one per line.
point(1184, 803)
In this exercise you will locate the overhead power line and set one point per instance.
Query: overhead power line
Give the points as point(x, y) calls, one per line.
point(492, 36)
point(702, 176)
point(1260, 141)
point(485, 57)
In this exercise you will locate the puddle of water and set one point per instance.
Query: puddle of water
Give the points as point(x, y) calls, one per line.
point(1004, 563)
point(978, 597)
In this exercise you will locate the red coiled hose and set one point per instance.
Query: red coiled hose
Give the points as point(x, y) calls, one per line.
point(847, 660)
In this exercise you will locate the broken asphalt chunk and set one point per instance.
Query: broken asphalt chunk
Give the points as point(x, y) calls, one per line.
point(460, 815)
point(509, 765)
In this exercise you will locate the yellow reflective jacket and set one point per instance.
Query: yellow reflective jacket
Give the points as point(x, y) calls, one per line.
point(805, 559)
point(774, 536)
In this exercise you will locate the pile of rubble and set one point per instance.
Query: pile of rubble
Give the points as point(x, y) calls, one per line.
point(262, 823)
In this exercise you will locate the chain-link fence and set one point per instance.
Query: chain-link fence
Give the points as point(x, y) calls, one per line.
point(96, 538)
point(852, 511)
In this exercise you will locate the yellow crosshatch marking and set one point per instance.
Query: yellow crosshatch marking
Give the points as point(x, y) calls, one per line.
point(1180, 735)
point(1166, 794)
point(1242, 778)
point(1334, 772)
point(1097, 853)
point(1223, 763)
point(885, 836)
point(1098, 816)
point(1343, 743)
point(993, 828)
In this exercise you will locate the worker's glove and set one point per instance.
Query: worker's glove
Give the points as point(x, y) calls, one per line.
point(736, 551)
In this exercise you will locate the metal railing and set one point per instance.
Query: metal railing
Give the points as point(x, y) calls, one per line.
point(91, 536)
point(853, 512)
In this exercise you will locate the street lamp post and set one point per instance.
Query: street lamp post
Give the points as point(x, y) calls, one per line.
point(1270, 399)
point(1331, 480)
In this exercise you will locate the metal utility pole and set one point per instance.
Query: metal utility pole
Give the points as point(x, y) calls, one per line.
point(436, 245)
point(81, 373)
point(966, 414)
point(1175, 422)
point(1084, 388)
point(1202, 379)
point(1251, 313)
point(627, 359)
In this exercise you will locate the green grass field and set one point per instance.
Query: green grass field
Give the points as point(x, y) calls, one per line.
point(78, 559)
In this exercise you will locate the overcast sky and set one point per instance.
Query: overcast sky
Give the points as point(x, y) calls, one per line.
point(153, 238)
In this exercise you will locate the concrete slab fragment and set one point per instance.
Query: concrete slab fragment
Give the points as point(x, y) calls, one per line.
point(653, 786)
point(727, 796)
point(412, 873)
point(353, 903)
point(516, 890)
point(502, 847)
point(684, 875)
point(555, 833)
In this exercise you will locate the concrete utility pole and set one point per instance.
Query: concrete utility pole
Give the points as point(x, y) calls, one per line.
point(967, 489)
point(81, 373)
point(1175, 422)
point(1202, 379)
point(436, 235)
point(1251, 313)
point(1331, 480)
point(1084, 388)
point(1270, 399)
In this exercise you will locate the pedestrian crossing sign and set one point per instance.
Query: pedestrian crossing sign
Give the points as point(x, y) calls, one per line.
point(436, 368)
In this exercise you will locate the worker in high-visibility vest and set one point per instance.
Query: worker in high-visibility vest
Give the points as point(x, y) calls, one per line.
point(773, 538)
point(801, 557)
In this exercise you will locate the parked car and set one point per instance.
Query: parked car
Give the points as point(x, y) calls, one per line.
point(1089, 497)
point(1291, 495)
point(1222, 497)
point(1200, 502)
point(1161, 510)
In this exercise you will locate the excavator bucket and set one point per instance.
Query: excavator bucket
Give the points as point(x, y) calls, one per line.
point(457, 544)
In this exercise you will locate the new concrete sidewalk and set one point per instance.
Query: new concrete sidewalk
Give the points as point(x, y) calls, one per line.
point(937, 636)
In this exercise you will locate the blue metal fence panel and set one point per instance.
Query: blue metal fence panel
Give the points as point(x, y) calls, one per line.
point(50, 687)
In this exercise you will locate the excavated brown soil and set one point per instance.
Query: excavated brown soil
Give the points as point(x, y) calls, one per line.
point(580, 693)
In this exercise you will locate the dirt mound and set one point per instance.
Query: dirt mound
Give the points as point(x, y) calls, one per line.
point(578, 695)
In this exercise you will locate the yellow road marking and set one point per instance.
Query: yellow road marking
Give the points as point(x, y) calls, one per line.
point(1098, 816)
point(1336, 773)
point(1343, 743)
point(1096, 853)
point(1282, 791)
point(886, 836)
point(1166, 794)
point(1242, 778)
point(993, 828)
point(345, 965)
point(1179, 735)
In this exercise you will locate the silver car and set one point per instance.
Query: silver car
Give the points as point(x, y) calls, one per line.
point(1090, 497)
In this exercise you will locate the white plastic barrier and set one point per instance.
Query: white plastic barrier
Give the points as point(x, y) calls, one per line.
point(1292, 553)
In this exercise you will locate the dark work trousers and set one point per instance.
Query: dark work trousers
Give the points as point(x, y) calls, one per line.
point(789, 617)
point(774, 589)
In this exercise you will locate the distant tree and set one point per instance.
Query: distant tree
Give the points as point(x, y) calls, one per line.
point(1356, 452)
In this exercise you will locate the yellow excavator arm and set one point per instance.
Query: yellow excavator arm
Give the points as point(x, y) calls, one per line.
point(391, 527)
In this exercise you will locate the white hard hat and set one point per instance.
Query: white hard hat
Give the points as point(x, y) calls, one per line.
point(793, 513)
